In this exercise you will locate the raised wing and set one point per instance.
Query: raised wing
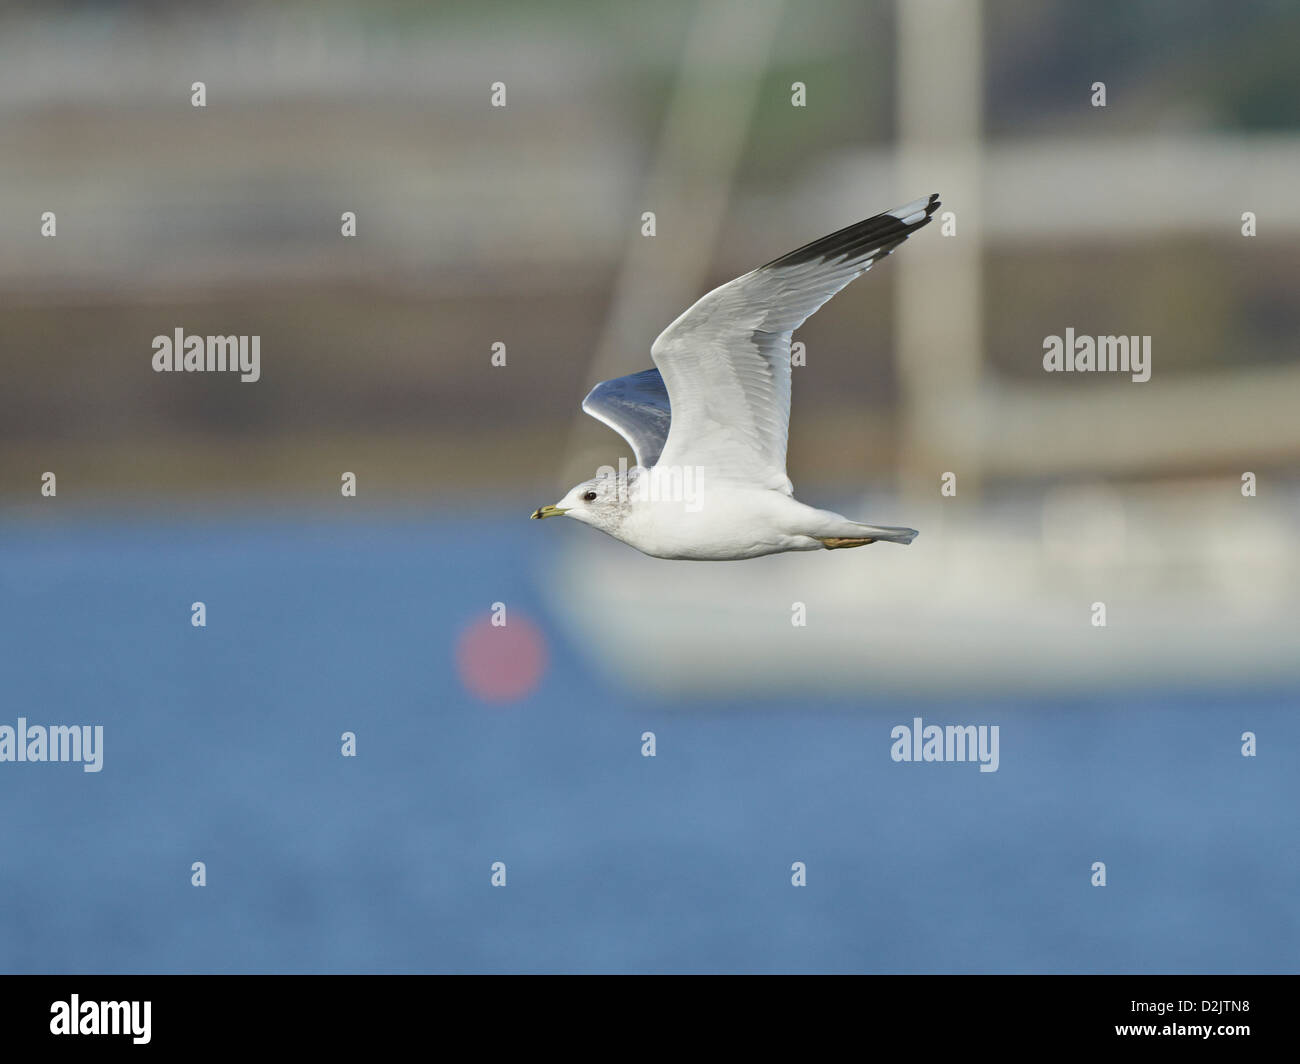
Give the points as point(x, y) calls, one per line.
point(726, 361)
point(637, 408)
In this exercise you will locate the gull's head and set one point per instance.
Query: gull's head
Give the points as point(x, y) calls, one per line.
point(600, 502)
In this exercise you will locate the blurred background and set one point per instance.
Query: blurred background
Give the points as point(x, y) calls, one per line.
point(522, 225)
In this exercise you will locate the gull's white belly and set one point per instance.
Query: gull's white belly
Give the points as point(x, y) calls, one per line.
point(723, 525)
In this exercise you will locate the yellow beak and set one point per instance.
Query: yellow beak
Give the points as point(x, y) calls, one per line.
point(547, 511)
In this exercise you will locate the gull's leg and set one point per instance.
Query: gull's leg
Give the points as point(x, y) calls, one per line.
point(839, 542)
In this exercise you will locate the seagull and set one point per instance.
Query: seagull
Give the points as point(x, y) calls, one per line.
point(709, 425)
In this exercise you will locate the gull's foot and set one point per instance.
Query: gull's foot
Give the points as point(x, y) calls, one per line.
point(836, 543)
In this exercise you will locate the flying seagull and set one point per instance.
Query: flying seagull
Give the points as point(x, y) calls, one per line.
point(708, 426)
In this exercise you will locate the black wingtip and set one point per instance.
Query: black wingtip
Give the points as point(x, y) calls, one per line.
point(863, 238)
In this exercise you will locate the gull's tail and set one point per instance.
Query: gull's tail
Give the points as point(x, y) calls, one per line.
point(885, 533)
point(836, 530)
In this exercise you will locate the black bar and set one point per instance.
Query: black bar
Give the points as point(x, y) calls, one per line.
point(338, 1013)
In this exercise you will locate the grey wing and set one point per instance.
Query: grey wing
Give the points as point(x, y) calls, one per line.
point(637, 408)
point(726, 361)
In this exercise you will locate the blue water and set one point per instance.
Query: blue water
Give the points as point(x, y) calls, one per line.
point(222, 745)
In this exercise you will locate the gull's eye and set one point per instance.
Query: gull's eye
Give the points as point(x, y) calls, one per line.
point(589, 497)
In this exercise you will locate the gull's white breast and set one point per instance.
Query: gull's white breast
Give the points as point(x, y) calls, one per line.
point(727, 521)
